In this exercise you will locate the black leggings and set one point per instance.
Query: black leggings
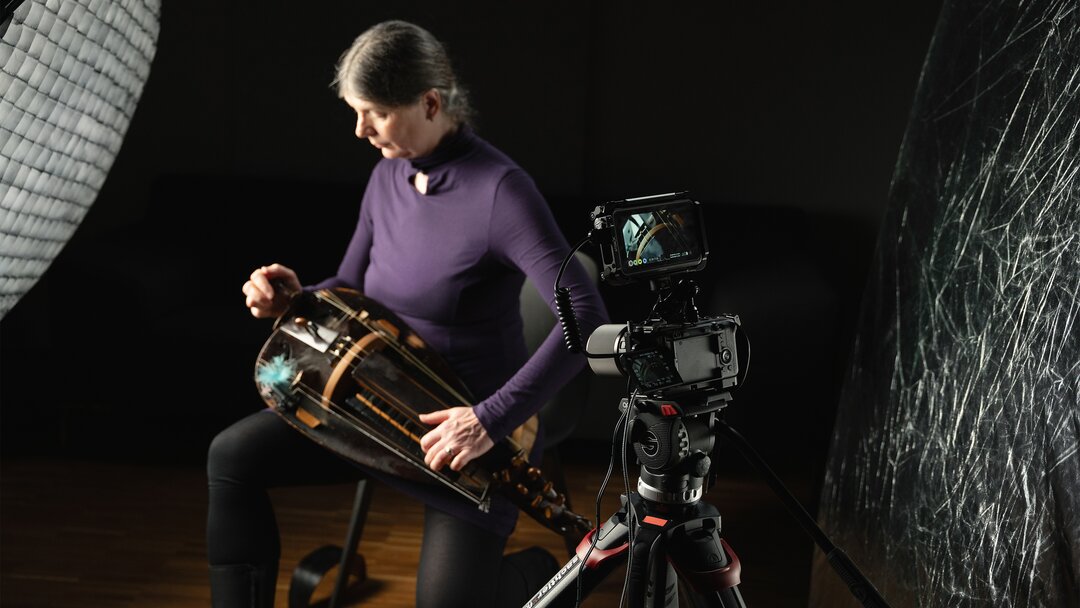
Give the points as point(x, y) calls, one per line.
point(461, 564)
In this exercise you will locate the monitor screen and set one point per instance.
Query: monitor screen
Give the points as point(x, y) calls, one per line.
point(659, 238)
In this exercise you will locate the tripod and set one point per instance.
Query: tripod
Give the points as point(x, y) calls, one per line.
point(691, 542)
point(665, 529)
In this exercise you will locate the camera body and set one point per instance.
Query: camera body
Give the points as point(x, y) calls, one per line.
point(667, 359)
point(674, 352)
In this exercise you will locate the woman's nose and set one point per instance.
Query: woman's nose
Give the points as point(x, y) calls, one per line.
point(363, 126)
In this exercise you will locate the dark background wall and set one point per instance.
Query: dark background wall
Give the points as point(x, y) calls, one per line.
point(784, 120)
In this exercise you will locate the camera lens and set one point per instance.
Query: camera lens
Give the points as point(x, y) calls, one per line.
point(607, 339)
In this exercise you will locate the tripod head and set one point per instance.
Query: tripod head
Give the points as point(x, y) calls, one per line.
point(674, 448)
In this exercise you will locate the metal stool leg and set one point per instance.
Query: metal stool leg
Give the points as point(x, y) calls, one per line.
point(314, 566)
point(352, 539)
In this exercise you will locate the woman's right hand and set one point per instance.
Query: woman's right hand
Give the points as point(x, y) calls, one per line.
point(270, 289)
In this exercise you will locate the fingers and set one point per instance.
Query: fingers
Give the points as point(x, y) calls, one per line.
point(269, 288)
point(436, 434)
point(259, 305)
point(260, 279)
point(254, 298)
point(437, 443)
point(263, 277)
point(260, 312)
point(430, 439)
point(284, 275)
point(457, 438)
point(461, 459)
point(438, 458)
point(442, 455)
point(437, 450)
point(435, 417)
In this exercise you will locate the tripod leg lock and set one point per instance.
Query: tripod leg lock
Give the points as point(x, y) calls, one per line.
point(703, 559)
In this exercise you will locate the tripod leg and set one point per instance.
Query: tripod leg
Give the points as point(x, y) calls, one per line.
point(591, 564)
point(662, 589)
point(706, 562)
point(728, 598)
point(649, 583)
point(696, 551)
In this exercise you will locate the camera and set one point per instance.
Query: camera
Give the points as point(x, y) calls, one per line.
point(680, 368)
point(675, 353)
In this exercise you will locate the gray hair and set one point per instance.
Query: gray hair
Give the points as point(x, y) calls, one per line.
point(394, 63)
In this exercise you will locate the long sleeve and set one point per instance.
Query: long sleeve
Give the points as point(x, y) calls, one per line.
point(524, 234)
point(358, 254)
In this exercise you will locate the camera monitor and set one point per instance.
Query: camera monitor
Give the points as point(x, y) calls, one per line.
point(651, 236)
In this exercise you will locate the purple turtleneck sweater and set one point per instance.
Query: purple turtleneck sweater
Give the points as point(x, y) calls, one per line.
point(451, 263)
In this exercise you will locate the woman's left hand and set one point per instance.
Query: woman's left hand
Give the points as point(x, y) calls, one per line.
point(457, 438)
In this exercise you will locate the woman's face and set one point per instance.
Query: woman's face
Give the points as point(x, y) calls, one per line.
point(398, 132)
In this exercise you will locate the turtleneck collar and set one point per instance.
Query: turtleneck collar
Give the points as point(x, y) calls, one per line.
point(453, 146)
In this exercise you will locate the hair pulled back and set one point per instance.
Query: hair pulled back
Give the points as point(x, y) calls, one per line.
point(394, 62)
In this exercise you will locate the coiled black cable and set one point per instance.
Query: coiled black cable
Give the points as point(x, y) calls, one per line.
point(564, 310)
point(564, 304)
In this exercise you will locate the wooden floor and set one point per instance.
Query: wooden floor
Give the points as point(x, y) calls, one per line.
point(124, 535)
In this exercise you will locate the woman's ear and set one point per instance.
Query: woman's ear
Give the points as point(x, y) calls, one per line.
point(432, 101)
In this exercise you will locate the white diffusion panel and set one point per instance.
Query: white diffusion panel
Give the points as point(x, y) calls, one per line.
point(71, 73)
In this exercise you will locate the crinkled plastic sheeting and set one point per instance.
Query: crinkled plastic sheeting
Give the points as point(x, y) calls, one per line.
point(71, 73)
point(954, 474)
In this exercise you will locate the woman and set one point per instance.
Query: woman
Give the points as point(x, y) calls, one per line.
point(448, 227)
